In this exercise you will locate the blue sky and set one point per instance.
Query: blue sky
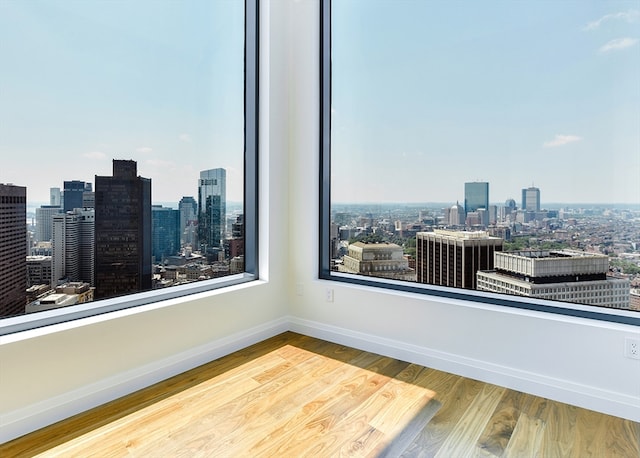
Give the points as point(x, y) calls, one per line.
point(83, 82)
point(430, 94)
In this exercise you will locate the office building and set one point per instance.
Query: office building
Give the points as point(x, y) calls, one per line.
point(122, 231)
point(44, 221)
point(74, 194)
point(165, 232)
point(188, 208)
point(452, 258)
point(531, 199)
point(212, 201)
point(38, 270)
point(457, 215)
point(55, 197)
point(72, 246)
point(568, 276)
point(13, 246)
point(476, 196)
point(65, 247)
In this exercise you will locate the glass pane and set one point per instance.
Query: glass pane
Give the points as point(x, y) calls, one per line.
point(122, 144)
point(489, 146)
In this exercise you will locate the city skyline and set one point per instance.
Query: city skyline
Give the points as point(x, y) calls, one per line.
point(148, 81)
point(510, 93)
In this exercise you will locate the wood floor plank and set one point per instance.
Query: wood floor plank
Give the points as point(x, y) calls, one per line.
point(294, 395)
point(462, 440)
point(455, 394)
point(501, 425)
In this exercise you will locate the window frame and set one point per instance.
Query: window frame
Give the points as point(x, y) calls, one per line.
point(425, 290)
point(21, 323)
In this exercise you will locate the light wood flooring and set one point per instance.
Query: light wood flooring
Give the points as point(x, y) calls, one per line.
point(294, 396)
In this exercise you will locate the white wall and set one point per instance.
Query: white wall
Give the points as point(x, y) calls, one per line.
point(573, 360)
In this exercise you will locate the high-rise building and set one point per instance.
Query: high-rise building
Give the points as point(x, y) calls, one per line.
point(165, 232)
point(13, 241)
point(188, 208)
point(476, 196)
point(122, 231)
point(212, 204)
point(73, 246)
point(531, 199)
point(55, 197)
point(73, 193)
point(568, 276)
point(44, 221)
point(457, 215)
point(452, 258)
point(65, 246)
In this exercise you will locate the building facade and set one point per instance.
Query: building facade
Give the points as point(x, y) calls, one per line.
point(13, 246)
point(476, 196)
point(531, 199)
point(568, 276)
point(212, 214)
point(376, 259)
point(452, 258)
point(122, 232)
point(165, 232)
point(188, 208)
point(44, 221)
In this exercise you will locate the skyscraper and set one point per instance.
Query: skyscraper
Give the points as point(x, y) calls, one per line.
point(531, 199)
point(123, 231)
point(73, 191)
point(452, 258)
point(188, 208)
point(165, 232)
point(65, 247)
point(55, 197)
point(212, 204)
point(476, 196)
point(44, 219)
point(13, 246)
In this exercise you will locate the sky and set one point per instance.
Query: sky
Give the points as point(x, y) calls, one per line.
point(86, 82)
point(428, 95)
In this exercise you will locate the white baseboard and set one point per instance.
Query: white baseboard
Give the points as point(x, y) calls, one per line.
point(36, 416)
point(585, 396)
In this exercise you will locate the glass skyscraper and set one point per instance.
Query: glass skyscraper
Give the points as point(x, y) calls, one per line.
point(212, 205)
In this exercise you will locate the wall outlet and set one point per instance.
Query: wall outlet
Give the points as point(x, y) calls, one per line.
point(632, 348)
point(328, 294)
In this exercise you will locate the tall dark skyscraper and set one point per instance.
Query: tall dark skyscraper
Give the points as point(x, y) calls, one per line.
point(212, 205)
point(166, 232)
point(73, 192)
point(122, 231)
point(476, 196)
point(13, 249)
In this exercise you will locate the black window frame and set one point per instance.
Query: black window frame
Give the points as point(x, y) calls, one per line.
point(11, 325)
point(428, 291)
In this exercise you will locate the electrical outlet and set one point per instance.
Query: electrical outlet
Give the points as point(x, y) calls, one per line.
point(632, 348)
point(328, 294)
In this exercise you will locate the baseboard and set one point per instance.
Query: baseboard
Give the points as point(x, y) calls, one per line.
point(585, 396)
point(39, 415)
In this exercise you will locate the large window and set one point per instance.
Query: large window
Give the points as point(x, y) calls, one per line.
point(128, 137)
point(488, 151)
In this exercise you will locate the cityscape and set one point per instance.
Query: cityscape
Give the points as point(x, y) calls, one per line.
point(578, 253)
point(105, 239)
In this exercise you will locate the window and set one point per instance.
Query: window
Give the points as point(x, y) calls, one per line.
point(494, 143)
point(128, 132)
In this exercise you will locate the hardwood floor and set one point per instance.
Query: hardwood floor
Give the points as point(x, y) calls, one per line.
point(293, 396)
